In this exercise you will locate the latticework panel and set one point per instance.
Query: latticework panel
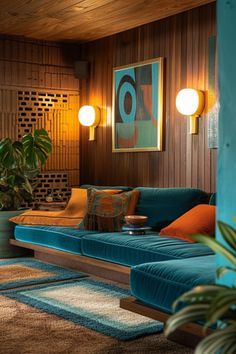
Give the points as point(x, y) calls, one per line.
point(56, 183)
point(57, 113)
point(38, 89)
point(22, 112)
point(33, 108)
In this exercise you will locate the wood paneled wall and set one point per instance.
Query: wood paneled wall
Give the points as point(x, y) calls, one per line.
point(38, 89)
point(186, 160)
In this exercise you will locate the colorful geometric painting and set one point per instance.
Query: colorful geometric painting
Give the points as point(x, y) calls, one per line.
point(138, 107)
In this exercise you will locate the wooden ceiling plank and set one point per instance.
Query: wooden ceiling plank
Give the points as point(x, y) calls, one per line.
point(84, 20)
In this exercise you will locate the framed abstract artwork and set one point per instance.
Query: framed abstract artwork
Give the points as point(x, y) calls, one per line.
point(138, 107)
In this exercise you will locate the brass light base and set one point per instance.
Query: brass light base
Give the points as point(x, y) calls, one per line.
point(92, 135)
point(92, 129)
point(193, 124)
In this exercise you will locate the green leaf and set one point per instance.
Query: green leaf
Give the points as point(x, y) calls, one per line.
point(31, 173)
point(216, 247)
point(188, 314)
point(6, 153)
point(11, 180)
point(19, 165)
point(228, 233)
point(200, 294)
point(37, 148)
point(11, 154)
point(221, 304)
point(216, 341)
point(231, 349)
point(222, 270)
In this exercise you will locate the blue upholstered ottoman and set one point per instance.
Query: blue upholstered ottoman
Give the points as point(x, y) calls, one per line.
point(160, 284)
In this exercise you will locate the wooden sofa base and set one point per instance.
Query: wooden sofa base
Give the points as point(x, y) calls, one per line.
point(189, 334)
point(103, 269)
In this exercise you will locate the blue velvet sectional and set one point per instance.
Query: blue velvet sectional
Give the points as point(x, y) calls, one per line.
point(162, 268)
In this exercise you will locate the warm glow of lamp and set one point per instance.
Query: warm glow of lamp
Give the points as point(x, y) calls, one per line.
point(190, 102)
point(89, 116)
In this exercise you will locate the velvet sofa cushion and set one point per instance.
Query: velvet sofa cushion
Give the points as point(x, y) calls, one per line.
point(123, 188)
point(164, 205)
point(160, 284)
point(60, 238)
point(130, 250)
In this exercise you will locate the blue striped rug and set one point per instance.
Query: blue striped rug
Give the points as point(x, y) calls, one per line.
point(90, 303)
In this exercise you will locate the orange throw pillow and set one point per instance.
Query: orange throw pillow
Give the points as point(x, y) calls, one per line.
point(199, 220)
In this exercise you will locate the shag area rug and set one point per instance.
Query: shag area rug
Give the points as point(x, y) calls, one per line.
point(20, 272)
point(89, 303)
point(25, 329)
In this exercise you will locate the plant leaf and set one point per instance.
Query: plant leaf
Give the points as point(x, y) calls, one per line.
point(222, 270)
point(37, 148)
point(228, 233)
point(188, 314)
point(199, 294)
point(214, 342)
point(221, 304)
point(216, 247)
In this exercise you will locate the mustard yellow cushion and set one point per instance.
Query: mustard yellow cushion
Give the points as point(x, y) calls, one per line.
point(72, 215)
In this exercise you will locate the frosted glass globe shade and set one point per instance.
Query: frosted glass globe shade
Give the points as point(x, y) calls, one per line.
point(188, 101)
point(87, 116)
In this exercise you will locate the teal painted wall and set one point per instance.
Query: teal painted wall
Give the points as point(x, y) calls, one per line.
point(226, 180)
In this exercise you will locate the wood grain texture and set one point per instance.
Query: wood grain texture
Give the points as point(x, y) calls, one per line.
point(38, 89)
point(85, 19)
point(186, 160)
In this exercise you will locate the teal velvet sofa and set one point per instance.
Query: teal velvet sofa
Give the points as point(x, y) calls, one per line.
point(159, 284)
point(161, 268)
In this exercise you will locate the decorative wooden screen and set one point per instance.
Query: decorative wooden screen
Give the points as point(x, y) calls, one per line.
point(23, 111)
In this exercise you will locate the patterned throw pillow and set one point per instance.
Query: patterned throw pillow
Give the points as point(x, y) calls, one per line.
point(105, 212)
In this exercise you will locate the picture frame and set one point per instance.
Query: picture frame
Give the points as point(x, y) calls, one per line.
point(137, 107)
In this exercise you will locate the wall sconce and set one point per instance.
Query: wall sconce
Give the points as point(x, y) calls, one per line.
point(190, 102)
point(89, 116)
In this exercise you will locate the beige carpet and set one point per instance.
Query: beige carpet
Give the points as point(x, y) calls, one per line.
point(25, 330)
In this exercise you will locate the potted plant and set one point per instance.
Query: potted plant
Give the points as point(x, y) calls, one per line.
point(19, 166)
point(213, 304)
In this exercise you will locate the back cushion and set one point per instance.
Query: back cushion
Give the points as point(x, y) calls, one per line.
point(164, 205)
point(212, 199)
point(122, 188)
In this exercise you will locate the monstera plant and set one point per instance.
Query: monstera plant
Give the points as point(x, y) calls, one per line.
point(213, 304)
point(19, 166)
